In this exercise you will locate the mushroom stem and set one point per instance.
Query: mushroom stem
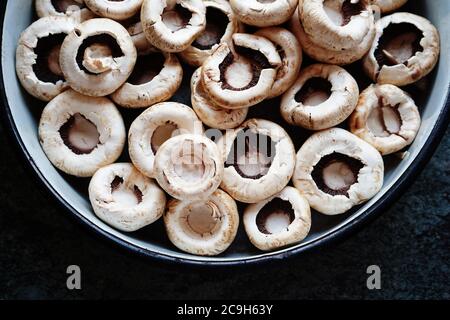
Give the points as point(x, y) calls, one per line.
point(98, 59)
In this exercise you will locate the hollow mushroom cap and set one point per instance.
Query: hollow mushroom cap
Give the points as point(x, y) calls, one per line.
point(125, 199)
point(116, 69)
point(189, 167)
point(323, 97)
point(325, 55)
point(74, 8)
point(265, 222)
point(161, 25)
point(150, 83)
point(333, 143)
point(386, 6)
point(328, 25)
point(213, 35)
point(206, 227)
point(154, 127)
point(210, 113)
point(271, 177)
point(264, 13)
point(291, 58)
point(412, 69)
point(81, 134)
point(113, 9)
point(216, 75)
point(48, 85)
point(386, 117)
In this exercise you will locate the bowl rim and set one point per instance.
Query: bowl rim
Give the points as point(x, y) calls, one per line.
point(356, 224)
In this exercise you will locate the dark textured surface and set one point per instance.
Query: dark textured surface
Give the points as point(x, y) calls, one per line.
point(38, 240)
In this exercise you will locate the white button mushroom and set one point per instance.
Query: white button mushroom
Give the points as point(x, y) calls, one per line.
point(114, 9)
point(73, 8)
point(386, 117)
point(336, 171)
point(81, 134)
point(189, 167)
point(264, 13)
point(154, 127)
point(277, 222)
point(323, 97)
point(385, 6)
point(259, 160)
point(136, 31)
point(124, 198)
point(206, 227)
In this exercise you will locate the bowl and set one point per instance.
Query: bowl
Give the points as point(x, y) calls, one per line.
point(22, 114)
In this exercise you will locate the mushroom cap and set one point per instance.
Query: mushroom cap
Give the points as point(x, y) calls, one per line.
point(161, 88)
point(324, 55)
point(396, 99)
point(418, 66)
point(26, 56)
point(120, 212)
point(99, 111)
point(240, 98)
point(250, 190)
point(337, 108)
point(219, 207)
point(107, 82)
point(264, 13)
point(297, 231)
point(197, 56)
point(143, 46)
point(210, 113)
point(320, 27)
point(113, 9)
point(386, 6)
point(144, 127)
point(189, 167)
point(327, 142)
point(74, 8)
point(160, 35)
point(291, 58)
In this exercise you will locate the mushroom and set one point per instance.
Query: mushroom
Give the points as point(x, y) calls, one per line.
point(323, 97)
point(155, 78)
point(114, 9)
point(203, 227)
point(37, 56)
point(189, 167)
point(405, 49)
point(97, 57)
point(221, 24)
point(326, 55)
point(291, 58)
point(125, 199)
point(173, 25)
point(336, 171)
point(259, 160)
point(134, 28)
point(336, 24)
point(264, 13)
point(386, 117)
point(210, 113)
point(280, 221)
point(74, 8)
point(242, 75)
point(386, 6)
point(154, 127)
point(81, 134)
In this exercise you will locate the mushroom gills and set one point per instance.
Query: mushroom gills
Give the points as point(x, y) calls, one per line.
point(341, 14)
point(124, 195)
point(336, 173)
point(398, 44)
point(202, 219)
point(176, 18)
point(47, 68)
point(384, 120)
point(190, 167)
point(80, 135)
point(63, 6)
point(314, 92)
point(162, 134)
point(275, 217)
point(216, 25)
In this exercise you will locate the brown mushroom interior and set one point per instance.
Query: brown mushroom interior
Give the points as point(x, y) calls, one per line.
point(242, 71)
point(47, 68)
point(216, 25)
point(190, 163)
point(63, 5)
point(176, 18)
point(162, 134)
point(336, 173)
point(201, 219)
point(80, 135)
point(399, 42)
point(341, 13)
point(314, 92)
point(275, 217)
point(384, 120)
point(251, 154)
point(147, 68)
point(125, 195)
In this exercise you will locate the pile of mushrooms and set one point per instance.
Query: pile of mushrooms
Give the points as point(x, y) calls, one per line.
point(194, 164)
